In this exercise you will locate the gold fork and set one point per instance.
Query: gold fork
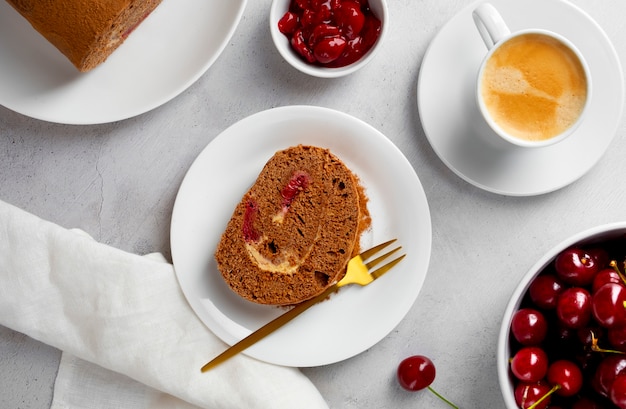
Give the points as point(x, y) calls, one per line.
point(358, 272)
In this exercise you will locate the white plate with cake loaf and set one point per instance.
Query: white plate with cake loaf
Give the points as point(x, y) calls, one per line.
point(163, 51)
point(351, 320)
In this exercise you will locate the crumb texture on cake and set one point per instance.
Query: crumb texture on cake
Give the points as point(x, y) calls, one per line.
point(294, 231)
point(85, 31)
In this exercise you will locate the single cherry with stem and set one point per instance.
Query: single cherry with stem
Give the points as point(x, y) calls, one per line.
point(418, 372)
point(566, 377)
point(529, 395)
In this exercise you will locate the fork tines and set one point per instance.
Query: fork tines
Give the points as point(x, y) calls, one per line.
point(373, 263)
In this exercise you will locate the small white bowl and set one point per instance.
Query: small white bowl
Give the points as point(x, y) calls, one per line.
point(278, 10)
point(591, 236)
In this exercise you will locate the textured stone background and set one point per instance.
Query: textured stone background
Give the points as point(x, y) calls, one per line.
point(118, 182)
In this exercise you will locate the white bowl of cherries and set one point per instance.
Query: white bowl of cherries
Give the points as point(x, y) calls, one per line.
point(562, 342)
point(328, 38)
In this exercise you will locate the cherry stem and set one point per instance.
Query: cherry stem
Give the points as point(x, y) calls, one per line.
point(442, 398)
point(544, 397)
point(596, 348)
point(613, 264)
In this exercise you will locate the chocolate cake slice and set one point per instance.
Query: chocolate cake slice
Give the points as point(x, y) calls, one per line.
point(295, 230)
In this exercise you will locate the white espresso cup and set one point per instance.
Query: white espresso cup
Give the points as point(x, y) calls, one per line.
point(533, 86)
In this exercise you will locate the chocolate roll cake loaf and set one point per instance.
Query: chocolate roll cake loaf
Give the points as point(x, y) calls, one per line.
point(85, 31)
point(295, 230)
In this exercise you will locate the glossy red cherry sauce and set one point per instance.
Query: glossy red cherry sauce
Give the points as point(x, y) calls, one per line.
point(330, 33)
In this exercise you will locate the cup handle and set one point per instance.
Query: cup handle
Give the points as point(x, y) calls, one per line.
point(490, 24)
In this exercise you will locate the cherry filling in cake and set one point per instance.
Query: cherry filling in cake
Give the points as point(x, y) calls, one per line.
point(299, 181)
point(250, 234)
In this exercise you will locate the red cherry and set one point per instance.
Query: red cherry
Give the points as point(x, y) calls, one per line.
point(288, 23)
point(527, 394)
point(545, 290)
point(322, 31)
point(529, 326)
point(605, 276)
point(576, 267)
point(617, 338)
point(608, 305)
point(329, 49)
point(605, 373)
point(299, 44)
point(351, 53)
point(567, 375)
point(617, 394)
point(350, 18)
point(530, 364)
point(416, 373)
point(573, 307)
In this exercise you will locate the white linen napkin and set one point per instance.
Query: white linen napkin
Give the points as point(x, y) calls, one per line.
point(127, 314)
point(83, 385)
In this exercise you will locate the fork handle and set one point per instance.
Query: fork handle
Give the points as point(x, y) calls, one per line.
point(268, 328)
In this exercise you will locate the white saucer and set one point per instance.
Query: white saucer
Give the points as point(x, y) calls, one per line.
point(452, 122)
point(167, 53)
point(348, 322)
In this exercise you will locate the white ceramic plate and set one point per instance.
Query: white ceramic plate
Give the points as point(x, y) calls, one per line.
point(452, 122)
point(352, 320)
point(167, 53)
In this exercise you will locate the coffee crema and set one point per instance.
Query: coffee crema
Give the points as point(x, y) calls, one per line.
point(534, 87)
